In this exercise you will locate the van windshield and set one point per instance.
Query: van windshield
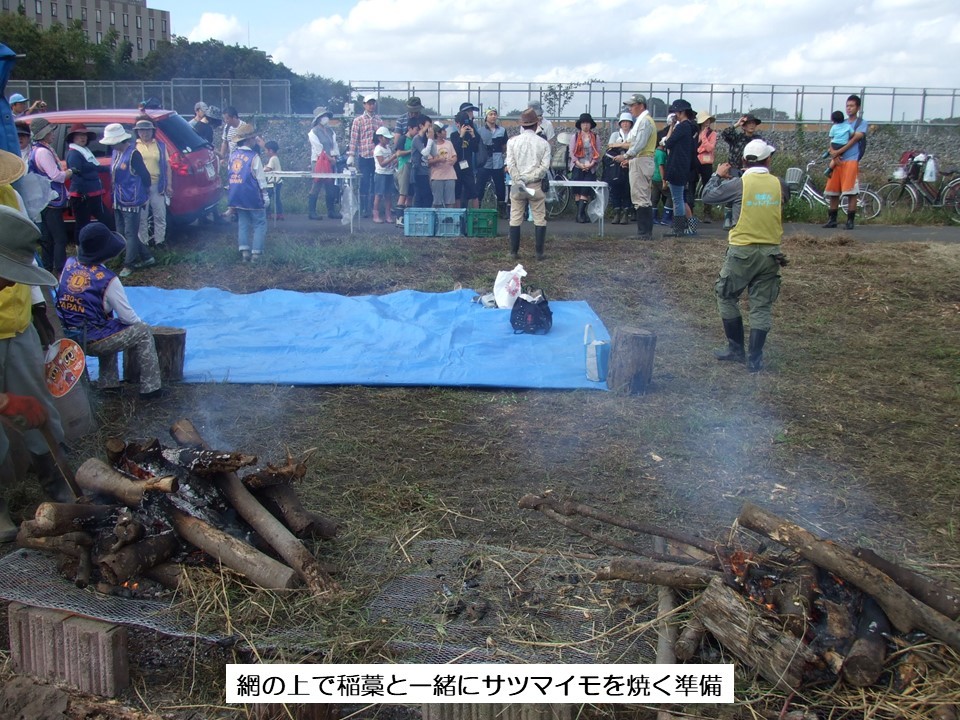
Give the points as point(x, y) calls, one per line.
point(179, 132)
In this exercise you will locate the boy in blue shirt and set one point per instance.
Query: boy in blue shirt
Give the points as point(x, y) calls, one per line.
point(839, 136)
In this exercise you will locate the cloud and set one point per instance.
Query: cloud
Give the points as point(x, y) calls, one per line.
point(870, 42)
point(216, 26)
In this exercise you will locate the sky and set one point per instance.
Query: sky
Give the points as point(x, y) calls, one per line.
point(855, 43)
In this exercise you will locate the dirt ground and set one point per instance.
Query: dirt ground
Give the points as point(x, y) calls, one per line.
point(399, 463)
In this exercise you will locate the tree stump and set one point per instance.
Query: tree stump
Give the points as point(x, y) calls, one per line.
point(631, 360)
point(171, 343)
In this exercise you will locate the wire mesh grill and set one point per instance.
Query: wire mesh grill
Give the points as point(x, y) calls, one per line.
point(31, 577)
point(473, 603)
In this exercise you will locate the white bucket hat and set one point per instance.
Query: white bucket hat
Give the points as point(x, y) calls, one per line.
point(114, 133)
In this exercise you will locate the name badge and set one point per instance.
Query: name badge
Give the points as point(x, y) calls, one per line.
point(464, 164)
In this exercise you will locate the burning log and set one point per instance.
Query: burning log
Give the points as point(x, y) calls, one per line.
point(168, 574)
point(59, 518)
point(76, 545)
point(284, 503)
point(864, 663)
point(740, 627)
point(96, 476)
point(935, 593)
point(657, 573)
point(259, 518)
point(127, 530)
point(794, 597)
point(234, 554)
point(905, 612)
point(206, 463)
point(118, 567)
point(292, 471)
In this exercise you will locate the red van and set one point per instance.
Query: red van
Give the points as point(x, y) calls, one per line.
point(195, 167)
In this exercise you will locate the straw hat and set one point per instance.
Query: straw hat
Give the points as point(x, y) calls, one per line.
point(18, 243)
point(703, 116)
point(245, 131)
point(12, 167)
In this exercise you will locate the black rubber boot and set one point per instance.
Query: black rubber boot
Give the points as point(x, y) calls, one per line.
point(51, 480)
point(755, 357)
point(582, 211)
point(645, 223)
point(503, 211)
point(851, 220)
point(365, 206)
point(312, 206)
point(733, 352)
point(541, 239)
point(679, 226)
point(332, 196)
point(514, 241)
point(831, 219)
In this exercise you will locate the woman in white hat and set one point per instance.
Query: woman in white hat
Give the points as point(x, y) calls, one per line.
point(131, 192)
point(324, 153)
point(157, 160)
point(616, 175)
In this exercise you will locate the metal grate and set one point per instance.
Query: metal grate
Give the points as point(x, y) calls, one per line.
point(793, 178)
point(31, 577)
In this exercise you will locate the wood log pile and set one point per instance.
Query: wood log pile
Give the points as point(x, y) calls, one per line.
point(796, 609)
point(149, 509)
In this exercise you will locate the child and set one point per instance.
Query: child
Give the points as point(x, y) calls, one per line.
point(840, 135)
point(247, 193)
point(443, 176)
point(274, 183)
point(383, 176)
point(658, 189)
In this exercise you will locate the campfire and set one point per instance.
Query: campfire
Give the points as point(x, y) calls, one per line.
point(797, 609)
point(151, 509)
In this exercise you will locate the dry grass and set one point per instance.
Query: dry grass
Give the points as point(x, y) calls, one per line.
point(852, 431)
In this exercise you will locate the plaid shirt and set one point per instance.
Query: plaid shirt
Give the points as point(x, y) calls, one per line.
point(361, 134)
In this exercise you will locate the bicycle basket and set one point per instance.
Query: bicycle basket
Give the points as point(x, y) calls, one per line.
point(794, 178)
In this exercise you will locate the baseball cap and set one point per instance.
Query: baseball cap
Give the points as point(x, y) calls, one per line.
point(636, 99)
point(382, 130)
point(757, 150)
point(369, 98)
point(17, 97)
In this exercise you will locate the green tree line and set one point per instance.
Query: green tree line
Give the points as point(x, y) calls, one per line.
point(63, 52)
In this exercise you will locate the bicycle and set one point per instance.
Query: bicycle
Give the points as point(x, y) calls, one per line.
point(802, 188)
point(909, 191)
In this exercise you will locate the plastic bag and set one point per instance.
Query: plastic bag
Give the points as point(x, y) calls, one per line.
point(597, 355)
point(930, 170)
point(506, 288)
point(598, 206)
point(36, 193)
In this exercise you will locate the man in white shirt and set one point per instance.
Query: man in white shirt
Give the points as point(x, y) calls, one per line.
point(527, 161)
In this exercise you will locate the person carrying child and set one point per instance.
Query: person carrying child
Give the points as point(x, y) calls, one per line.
point(383, 173)
point(274, 183)
point(840, 133)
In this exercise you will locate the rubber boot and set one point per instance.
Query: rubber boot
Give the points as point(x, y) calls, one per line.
point(733, 352)
point(541, 239)
point(679, 226)
point(656, 216)
point(615, 218)
point(331, 195)
point(582, 211)
point(51, 480)
point(645, 223)
point(692, 226)
point(631, 216)
point(831, 219)
point(755, 356)
point(312, 206)
point(514, 242)
point(851, 216)
point(502, 210)
point(667, 218)
point(8, 528)
point(365, 206)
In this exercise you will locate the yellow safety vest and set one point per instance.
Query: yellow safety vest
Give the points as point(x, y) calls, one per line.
point(760, 221)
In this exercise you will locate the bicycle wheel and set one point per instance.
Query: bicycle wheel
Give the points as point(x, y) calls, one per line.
point(868, 205)
point(560, 201)
point(898, 196)
point(951, 200)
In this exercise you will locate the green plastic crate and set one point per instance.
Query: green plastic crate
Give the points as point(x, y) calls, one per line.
point(482, 223)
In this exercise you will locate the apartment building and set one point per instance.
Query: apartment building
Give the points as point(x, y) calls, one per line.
point(144, 27)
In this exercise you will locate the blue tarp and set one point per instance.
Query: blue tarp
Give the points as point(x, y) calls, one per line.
point(404, 338)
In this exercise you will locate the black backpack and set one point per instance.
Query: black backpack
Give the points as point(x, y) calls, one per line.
point(535, 318)
point(862, 145)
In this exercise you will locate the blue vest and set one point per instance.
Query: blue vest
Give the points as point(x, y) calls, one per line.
point(244, 190)
point(80, 299)
point(59, 188)
point(128, 189)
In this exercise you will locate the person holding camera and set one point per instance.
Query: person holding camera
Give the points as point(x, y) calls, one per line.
point(21, 106)
point(465, 143)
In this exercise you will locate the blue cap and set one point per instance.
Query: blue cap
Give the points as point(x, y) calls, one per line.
point(17, 97)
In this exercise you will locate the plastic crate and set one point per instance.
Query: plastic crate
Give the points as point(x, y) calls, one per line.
point(481, 223)
point(419, 222)
point(450, 222)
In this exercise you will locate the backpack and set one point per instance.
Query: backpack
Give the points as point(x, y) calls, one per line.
point(862, 145)
point(534, 317)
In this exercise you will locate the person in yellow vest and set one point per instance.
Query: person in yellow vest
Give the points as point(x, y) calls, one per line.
point(638, 158)
point(156, 158)
point(754, 257)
